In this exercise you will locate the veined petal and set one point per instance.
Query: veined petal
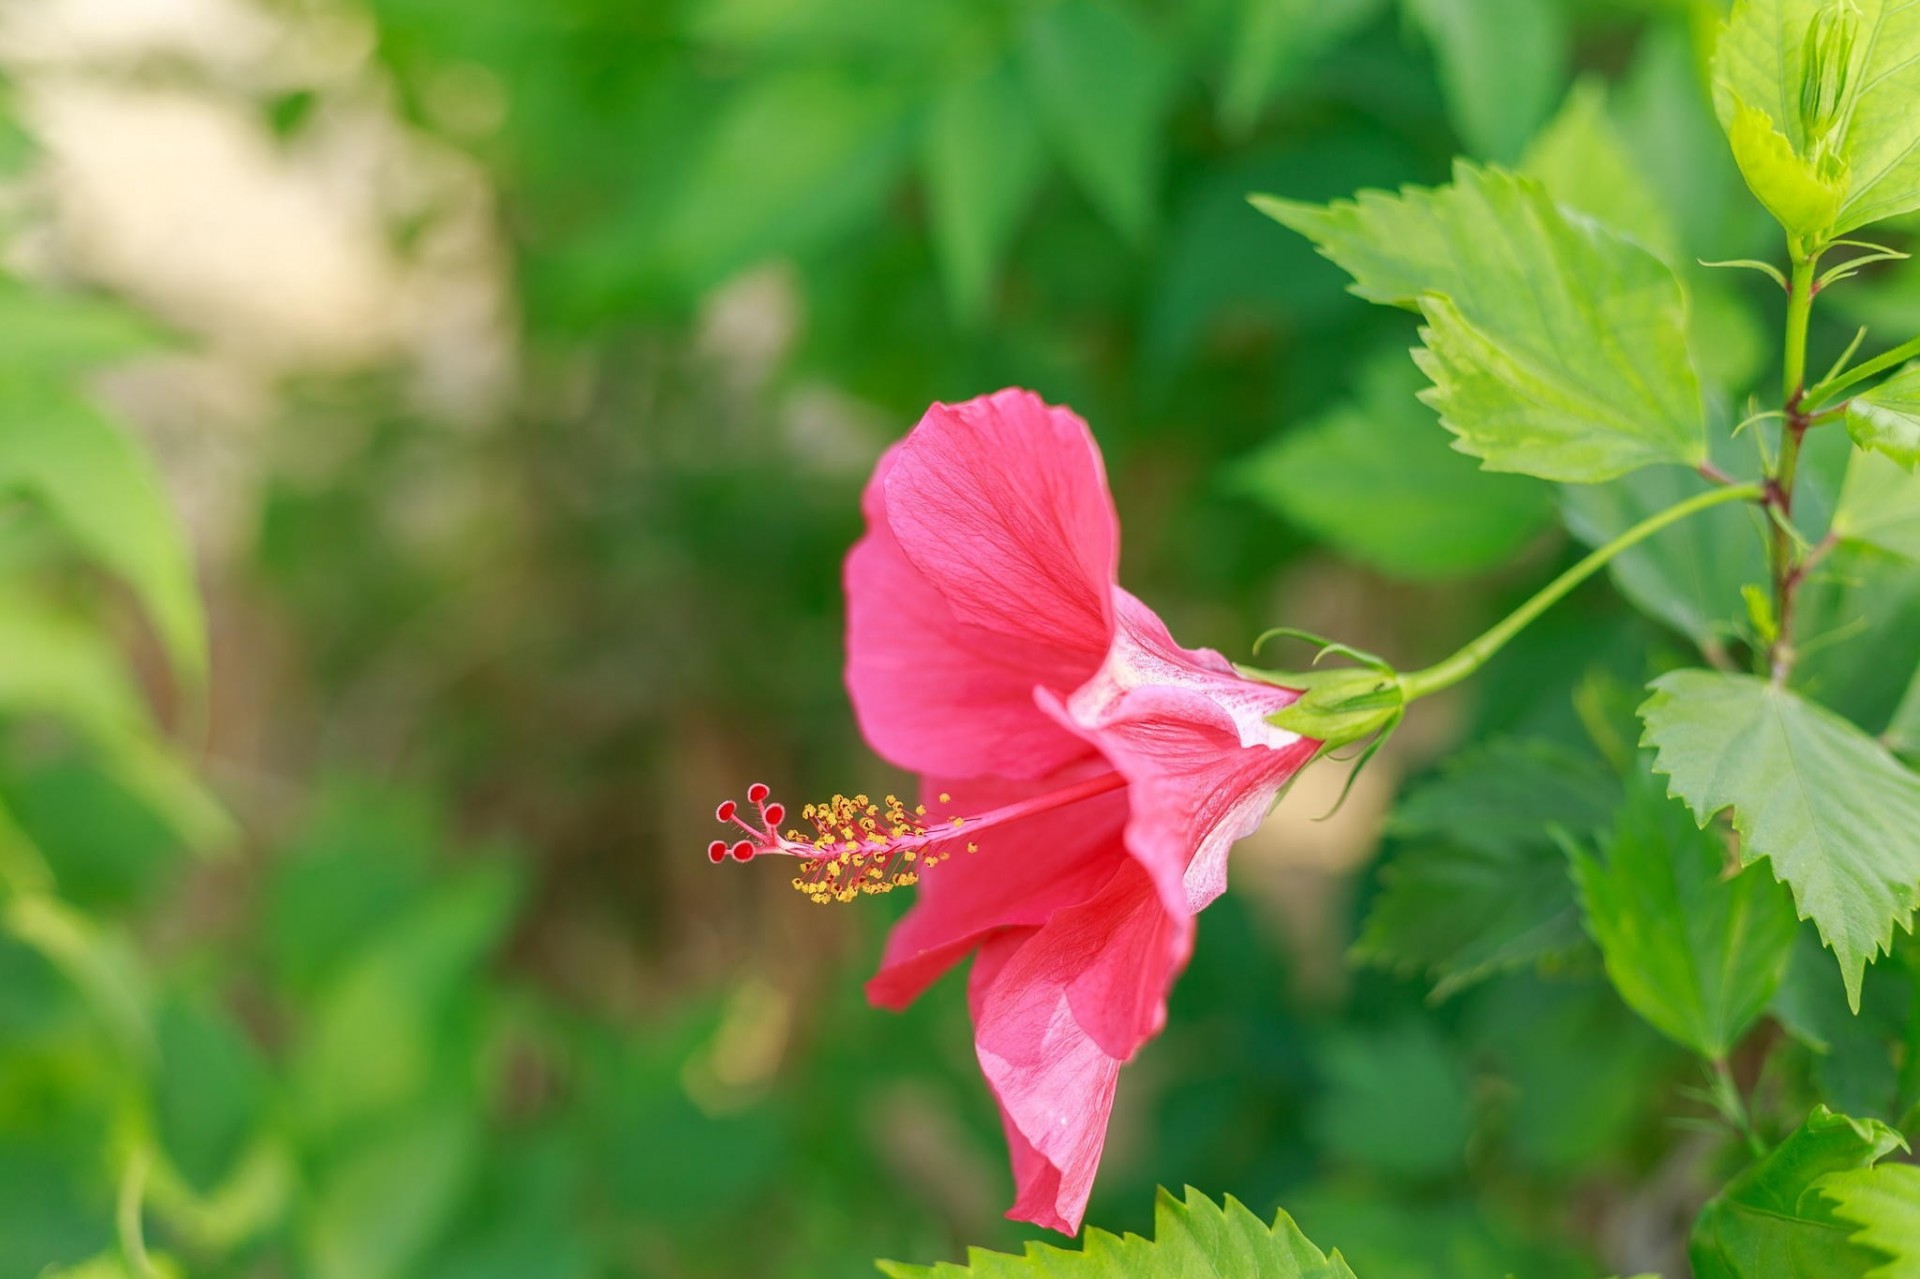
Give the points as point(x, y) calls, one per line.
point(1192, 738)
point(1056, 1012)
point(1023, 873)
point(985, 573)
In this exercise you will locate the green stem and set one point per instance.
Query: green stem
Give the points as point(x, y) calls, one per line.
point(1472, 657)
point(1780, 551)
point(1861, 372)
point(1799, 310)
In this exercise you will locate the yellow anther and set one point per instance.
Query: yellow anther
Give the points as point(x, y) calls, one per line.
point(945, 798)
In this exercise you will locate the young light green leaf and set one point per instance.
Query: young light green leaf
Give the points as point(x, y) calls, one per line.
point(1887, 418)
point(1193, 1239)
point(1772, 1222)
point(1882, 1203)
point(1695, 952)
point(1880, 505)
point(1556, 347)
point(1502, 65)
point(1375, 480)
point(1817, 97)
point(983, 158)
point(1482, 888)
point(1101, 81)
point(1836, 814)
point(59, 450)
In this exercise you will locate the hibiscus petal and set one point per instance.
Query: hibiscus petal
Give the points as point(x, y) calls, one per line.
point(1201, 761)
point(1111, 961)
point(1023, 873)
point(986, 572)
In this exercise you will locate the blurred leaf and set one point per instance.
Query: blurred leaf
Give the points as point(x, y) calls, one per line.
point(100, 962)
point(209, 1090)
point(1821, 116)
point(377, 1212)
point(1396, 1101)
point(44, 333)
point(1502, 64)
point(792, 161)
point(1696, 953)
point(1193, 1239)
point(1882, 1203)
point(1855, 1055)
point(1556, 347)
point(1903, 734)
point(983, 158)
point(1374, 479)
point(1880, 505)
point(1690, 576)
point(1887, 417)
point(1771, 1222)
point(60, 450)
point(1837, 816)
point(1482, 887)
point(1582, 160)
point(1102, 82)
point(1274, 42)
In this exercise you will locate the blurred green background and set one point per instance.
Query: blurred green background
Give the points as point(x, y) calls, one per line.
point(513, 366)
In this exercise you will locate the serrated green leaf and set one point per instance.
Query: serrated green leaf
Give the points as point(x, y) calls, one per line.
point(1556, 347)
point(1696, 953)
point(1375, 479)
point(1582, 160)
point(1193, 1239)
point(63, 452)
point(983, 160)
point(1825, 128)
point(1771, 1222)
point(1502, 65)
point(1883, 1205)
point(1482, 886)
point(1836, 815)
point(1101, 81)
point(1880, 505)
point(1887, 418)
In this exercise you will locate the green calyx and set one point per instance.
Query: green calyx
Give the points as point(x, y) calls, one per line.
point(1340, 706)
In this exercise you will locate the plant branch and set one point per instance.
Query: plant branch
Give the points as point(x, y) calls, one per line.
point(1839, 382)
point(1473, 656)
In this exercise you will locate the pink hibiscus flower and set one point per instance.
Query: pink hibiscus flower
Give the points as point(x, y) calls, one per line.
point(1086, 774)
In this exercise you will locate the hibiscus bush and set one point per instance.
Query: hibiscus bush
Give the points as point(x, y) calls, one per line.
point(1303, 619)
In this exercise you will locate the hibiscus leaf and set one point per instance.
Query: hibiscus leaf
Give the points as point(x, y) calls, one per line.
point(1887, 418)
point(1772, 1221)
point(1883, 1203)
point(1697, 954)
point(1880, 506)
point(1836, 814)
point(1502, 64)
point(1375, 480)
point(1817, 99)
point(1483, 888)
point(1556, 347)
point(1193, 1239)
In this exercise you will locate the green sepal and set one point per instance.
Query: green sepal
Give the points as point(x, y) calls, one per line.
point(1341, 706)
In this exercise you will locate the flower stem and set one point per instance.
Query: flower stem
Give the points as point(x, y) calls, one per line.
point(1471, 658)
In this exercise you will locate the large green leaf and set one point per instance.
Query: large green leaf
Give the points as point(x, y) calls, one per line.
point(1772, 1222)
point(1817, 97)
point(1694, 951)
point(1880, 505)
point(1882, 1203)
point(1482, 887)
point(1887, 417)
point(1502, 65)
point(1102, 81)
point(1556, 347)
point(1193, 1239)
point(1375, 480)
point(982, 156)
point(1836, 814)
point(64, 453)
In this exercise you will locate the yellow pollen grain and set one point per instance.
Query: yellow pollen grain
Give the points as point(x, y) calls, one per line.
point(945, 798)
